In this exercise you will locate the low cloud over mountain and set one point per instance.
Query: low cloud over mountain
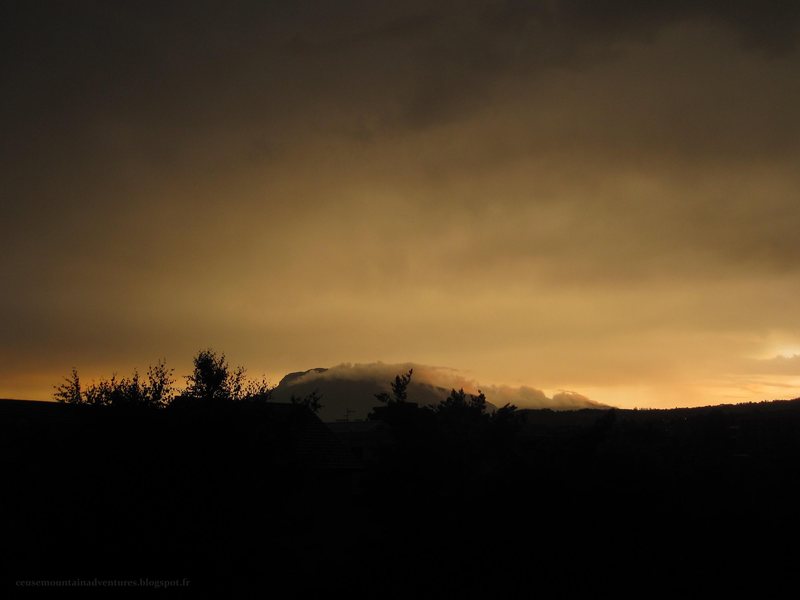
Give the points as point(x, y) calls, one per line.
point(348, 390)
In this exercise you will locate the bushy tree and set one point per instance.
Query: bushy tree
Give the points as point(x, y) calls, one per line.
point(311, 401)
point(117, 392)
point(399, 389)
point(156, 392)
point(214, 380)
point(505, 413)
point(69, 391)
point(257, 390)
point(211, 378)
point(458, 402)
point(160, 386)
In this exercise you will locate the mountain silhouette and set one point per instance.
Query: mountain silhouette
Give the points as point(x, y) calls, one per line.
point(348, 398)
point(348, 390)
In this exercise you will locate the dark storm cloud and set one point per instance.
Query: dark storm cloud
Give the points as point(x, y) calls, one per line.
point(770, 25)
point(177, 59)
point(531, 188)
point(85, 81)
point(474, 44)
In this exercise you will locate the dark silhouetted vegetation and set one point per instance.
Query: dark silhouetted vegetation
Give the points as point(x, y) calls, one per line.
point(399, 389)
point(459, 403)
point(244, 496)
point(156, 391)
point(212, 380)
point(312, 400)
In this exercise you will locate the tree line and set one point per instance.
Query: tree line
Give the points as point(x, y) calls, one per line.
point(211, 381)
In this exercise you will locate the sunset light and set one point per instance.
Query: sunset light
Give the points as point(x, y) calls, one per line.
point(362, 293)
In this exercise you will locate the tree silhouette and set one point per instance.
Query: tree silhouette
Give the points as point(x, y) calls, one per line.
point(399, 389)
point(258, 391)
point(156, 392)
point(505, 413)
point(311, 401)
point(212, 378)
point(457, 402)
point(70, 390)
point(160, 386)
point(117, 392)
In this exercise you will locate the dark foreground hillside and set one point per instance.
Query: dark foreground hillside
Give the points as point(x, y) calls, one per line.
point(235, 497)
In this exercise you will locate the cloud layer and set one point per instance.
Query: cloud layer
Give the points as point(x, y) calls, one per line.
point(597, 196)
point(351, 388)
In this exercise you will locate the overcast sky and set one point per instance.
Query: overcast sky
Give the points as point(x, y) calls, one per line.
point(596, 196)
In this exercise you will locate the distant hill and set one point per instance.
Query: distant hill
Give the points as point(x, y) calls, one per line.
point(348, 390)
point(347, 398)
